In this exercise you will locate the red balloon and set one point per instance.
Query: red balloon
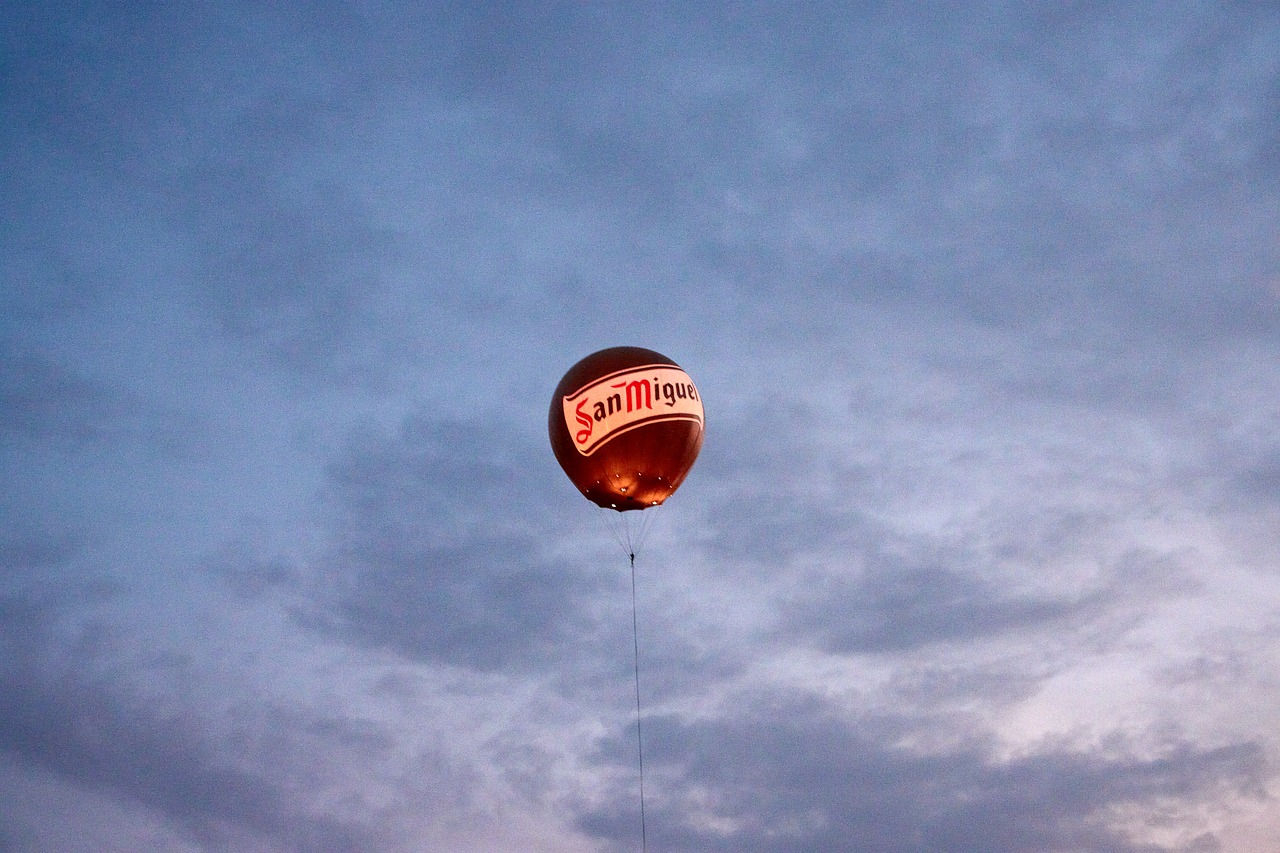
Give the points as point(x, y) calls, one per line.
point(626, 426)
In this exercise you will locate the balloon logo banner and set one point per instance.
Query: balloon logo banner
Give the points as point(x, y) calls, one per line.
point(628, 400)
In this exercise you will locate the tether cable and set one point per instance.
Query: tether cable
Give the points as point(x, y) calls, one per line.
point(635, 640)
point(631, 539)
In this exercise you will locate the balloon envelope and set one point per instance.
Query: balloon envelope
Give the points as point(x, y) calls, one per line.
point(626, 425)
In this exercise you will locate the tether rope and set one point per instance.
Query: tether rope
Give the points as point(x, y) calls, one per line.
point(635, 637)
point(631, 540)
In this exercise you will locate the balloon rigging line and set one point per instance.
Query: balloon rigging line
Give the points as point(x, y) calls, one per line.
point(628, 534)
point(646, 524)
point(635, 640)
point(620, 529)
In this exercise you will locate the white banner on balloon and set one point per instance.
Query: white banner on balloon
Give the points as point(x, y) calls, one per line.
point(628, 399)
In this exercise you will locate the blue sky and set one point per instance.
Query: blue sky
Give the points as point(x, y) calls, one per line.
point(983, 303)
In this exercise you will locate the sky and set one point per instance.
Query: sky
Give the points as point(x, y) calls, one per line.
point(983, 304)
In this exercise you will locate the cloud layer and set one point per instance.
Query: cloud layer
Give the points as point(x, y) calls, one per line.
point(984, 307)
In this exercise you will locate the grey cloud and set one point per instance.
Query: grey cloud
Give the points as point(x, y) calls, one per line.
point(43, 399)
point(50, 405)
point(778, 774)
point(902, 594)
point(1262, 480)
point(1239, 474)
point(59, 716)
point(288, 275)
point(470, 606)
point(1019, 223)
point(894, 607)
point(251, 575)
point(292, 279)
point(799, 521)
point(439, 551)
point(24, 548)
point(112, 89)
point(294, 276)
point(778, 495)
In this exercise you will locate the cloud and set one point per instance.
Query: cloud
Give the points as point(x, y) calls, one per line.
point(440, 551)
point(781, 773)
point(48, 401)
point(899, 607)
point(61, 716)
point(25, 550)
point(250, 575)
point(293, 277)
point(910, 593)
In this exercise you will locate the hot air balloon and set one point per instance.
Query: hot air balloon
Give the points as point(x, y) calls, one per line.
point(626, 426)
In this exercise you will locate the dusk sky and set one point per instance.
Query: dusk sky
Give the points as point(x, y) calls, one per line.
point(982, 551)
